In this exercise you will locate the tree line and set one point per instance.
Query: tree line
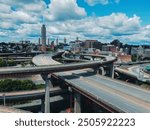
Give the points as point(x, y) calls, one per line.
point(9, 85)
point(4, 63)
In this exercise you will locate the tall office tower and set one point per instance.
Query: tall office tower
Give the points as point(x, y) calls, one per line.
point(65, 40)
point(57, 41)
point(39, 41)
point(77, 38)
point(43, 35)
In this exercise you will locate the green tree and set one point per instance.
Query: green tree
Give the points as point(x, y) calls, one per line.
point(8, 85)
point(2, 63)
point(11, 63)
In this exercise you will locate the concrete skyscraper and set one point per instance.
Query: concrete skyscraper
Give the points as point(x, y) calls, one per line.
point(65, 40)
point(39, 41)
point(57, 41)
point(43, 35)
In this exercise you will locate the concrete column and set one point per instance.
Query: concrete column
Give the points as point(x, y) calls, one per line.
point(101, 71)
point(71, 102)
point(93, 58)
point(4, 98)
point(77, 103)
point(112, 71)
point(42, 105)
point(71, 99)
point(47, 96)
point(48, 85)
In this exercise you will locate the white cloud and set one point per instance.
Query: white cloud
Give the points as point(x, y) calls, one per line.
point(29, 29)
point(103, 2)
point(64, 18)
point(23, 17)
point(64, 10)
point(2, 34)
point(5, 8)
point(14, 2)
point(7, 25)
point(35, 7)
point(119, 22)
point(94, 2)
point(142, 37)
point(18, 16)
point(116, 25)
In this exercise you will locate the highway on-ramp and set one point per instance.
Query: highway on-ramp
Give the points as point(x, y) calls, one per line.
point(135, 71)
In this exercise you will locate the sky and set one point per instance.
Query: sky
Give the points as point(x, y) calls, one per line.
point(103, 20)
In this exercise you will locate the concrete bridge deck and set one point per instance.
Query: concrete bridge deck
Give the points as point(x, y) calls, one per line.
point(134, 71)
point(121, 96)
point(29, 95)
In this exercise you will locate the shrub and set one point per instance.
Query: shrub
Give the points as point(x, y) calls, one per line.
point(9, 85)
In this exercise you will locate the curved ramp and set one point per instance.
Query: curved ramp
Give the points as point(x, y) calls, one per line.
point(44, 59)
point(134, 71)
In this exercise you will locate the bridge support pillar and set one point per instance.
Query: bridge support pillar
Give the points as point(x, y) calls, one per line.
point(101, 71)
point(77, 103)
point(71, 99)
point(4, 99)
point(93, 58)
point(48, 85)
point(42, 105)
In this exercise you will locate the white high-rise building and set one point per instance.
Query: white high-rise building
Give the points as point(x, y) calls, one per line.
point(43, 35)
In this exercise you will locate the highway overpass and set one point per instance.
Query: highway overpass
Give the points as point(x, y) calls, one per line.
point(113, 95)
point(11, 72)
point(8, 97)
point(21, 54)
point(134, 71)
point(46, 70)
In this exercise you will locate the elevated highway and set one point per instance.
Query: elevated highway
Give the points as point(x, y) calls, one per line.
point(29, 95)
point(11, 72)
point(20, 54)
point(113, 95)
point(46, 68)
point(17, 59)
point(134, 71)
point(44, 59)
point(134, 63)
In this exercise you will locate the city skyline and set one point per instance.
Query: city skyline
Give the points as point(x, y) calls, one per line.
point(103, 20)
